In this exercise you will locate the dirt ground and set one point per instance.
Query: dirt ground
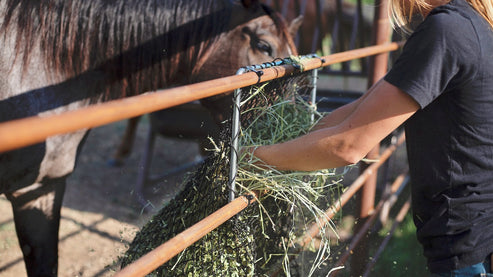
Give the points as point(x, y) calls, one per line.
point(100, 215)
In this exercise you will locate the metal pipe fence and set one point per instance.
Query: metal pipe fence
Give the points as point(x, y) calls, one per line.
point(399, 183)
point(23, 132)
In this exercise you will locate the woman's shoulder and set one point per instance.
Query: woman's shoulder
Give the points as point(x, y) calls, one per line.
point(455, 12)
point(453, 22)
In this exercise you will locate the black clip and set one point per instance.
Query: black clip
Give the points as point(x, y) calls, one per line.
point(259, 74)
point(250, 198)
point(322, 60)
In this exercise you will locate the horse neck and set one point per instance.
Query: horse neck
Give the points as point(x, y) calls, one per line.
point(137, 45)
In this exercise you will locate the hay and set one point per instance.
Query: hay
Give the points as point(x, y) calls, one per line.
point(258, 240)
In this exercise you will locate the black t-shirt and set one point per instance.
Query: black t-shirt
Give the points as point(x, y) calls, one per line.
point(447, 67)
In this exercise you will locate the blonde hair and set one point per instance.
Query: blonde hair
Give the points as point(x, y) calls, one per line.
point(402, 11)
point(484, 8)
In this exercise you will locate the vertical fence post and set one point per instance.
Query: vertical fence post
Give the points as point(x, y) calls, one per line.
point(313, 94)
point(235, 132)
point(378, 68)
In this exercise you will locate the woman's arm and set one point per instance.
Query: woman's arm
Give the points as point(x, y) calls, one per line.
point(346, 137)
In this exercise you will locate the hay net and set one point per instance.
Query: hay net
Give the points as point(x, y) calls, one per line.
point(262, 239)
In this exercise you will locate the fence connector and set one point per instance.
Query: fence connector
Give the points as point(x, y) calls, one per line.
point(314, 94)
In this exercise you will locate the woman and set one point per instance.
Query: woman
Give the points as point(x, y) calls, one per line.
point(441, 87)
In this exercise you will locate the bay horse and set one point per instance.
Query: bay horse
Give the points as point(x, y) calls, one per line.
point(61, 55)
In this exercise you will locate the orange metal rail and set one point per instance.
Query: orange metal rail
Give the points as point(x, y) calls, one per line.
point(152, 260)
point(23, 132)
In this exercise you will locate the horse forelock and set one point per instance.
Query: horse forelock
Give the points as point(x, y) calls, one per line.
point(137, 44)
point(282, 28)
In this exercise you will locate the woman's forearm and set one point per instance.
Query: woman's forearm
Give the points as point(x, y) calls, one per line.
point(382, 110)
point(317, 150)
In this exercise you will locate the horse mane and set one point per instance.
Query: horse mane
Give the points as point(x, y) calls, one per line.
point(281, 26)
point(136, 44)
point(133, 45)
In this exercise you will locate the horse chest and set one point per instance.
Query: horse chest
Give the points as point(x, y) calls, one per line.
point(52, 158)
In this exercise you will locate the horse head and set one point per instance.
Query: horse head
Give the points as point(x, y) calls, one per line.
point(257, 35)
point(250, 33)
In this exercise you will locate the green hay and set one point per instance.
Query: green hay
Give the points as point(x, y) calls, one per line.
point(296, 195)
point(257, 242)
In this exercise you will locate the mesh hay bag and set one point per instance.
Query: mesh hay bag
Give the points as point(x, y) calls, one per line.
point(256, 242)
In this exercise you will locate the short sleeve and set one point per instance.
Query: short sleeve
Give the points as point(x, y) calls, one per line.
point(439, 55)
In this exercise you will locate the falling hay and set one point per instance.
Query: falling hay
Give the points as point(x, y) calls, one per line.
point(256, 242)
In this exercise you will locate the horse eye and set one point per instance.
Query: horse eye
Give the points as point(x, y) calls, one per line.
point(264, 47)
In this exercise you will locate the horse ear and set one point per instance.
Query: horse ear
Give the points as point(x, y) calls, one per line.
point(295, 25)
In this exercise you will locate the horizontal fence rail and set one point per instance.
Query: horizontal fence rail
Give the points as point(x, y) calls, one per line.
point(23, 132)
point(163, 253)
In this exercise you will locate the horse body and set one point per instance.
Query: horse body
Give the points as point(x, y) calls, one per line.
point(61, 55)
point(53, 158)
